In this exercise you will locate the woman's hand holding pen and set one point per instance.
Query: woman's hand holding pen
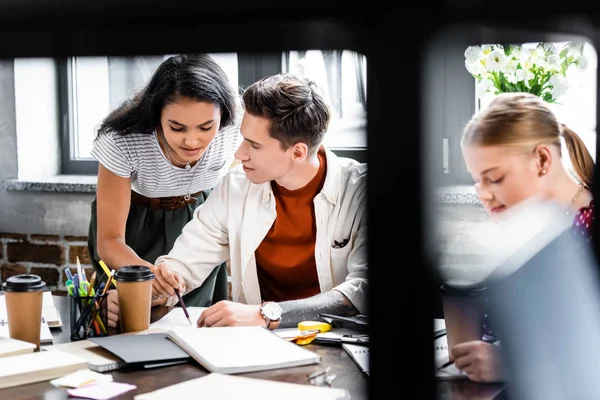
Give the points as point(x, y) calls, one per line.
point(165, 281)
point(479, 360)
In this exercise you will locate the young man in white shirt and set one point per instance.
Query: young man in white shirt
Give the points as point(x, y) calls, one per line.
point(291, 219)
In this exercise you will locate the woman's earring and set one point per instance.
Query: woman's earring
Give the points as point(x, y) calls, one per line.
point(543, 172)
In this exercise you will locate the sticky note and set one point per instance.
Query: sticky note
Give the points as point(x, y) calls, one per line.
point(101, 391)
point(81, 378)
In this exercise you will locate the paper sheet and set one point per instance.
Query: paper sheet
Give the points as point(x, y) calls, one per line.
point(176, 317)
point(232, 387)
point(102, 391)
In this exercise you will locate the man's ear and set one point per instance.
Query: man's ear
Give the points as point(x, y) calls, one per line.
point(543, 157)
point(299, 151)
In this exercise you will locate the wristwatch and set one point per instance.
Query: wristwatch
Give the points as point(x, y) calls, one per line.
point(271, 312)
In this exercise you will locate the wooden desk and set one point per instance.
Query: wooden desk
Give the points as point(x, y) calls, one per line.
point(467, 390)
point(349, 376)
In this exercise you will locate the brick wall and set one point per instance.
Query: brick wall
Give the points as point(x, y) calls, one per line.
point(43, 255)
point(46, 256)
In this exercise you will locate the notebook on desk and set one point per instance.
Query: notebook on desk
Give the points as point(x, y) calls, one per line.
point(13, 347)
point(49, 310)
point(233, 387)
point(45, 333)
point(359, 354)
point(37, 367)
point(98, 358)
point(144, 350)
point(239, 349)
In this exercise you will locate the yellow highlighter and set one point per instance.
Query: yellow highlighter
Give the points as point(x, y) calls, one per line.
point(107, 272)
point(314, 325)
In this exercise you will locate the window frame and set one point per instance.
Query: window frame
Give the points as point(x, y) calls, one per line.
point(251, 67)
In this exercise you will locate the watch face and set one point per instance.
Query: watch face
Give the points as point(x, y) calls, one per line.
point(272, 311)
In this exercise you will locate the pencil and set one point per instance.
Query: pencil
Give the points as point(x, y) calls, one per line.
point(185, 311)
point(106, 271)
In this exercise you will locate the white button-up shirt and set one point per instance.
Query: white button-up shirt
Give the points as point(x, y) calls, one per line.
point(238, 214)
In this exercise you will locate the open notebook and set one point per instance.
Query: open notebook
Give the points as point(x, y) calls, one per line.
point(176, 317)
point(239, 349)
point(232, 387)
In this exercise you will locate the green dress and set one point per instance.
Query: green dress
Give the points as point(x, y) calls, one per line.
point(151, 232)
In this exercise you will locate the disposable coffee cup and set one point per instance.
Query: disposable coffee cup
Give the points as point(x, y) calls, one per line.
point(463, 304)
point(135, 297)
point(24, 296)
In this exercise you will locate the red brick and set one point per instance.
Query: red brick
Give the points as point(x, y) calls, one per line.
point(45, 238)
point(79, 251)
point(48, 274)
point(76, 238)
point(17, 236)
point(40, 253)
point(8, 270)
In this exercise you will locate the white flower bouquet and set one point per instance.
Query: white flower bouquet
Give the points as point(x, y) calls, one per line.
point(537, 68)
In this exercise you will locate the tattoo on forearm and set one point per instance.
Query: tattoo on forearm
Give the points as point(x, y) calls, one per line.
point(331, 302)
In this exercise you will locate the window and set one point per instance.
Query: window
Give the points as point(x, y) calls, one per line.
point(577, 107)
point(342, 75)
point(454, 94)
point(92, 86)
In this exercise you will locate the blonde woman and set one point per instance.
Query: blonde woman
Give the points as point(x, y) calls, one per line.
point(512, 149)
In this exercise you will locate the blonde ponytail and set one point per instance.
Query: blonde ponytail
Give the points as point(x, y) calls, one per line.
point(581, 159)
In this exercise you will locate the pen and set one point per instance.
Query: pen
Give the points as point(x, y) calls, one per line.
point(449, 363)
point(364, 339)
point(446, 364)
point(439, 333)
point(183, 306)
point(69, 274)
point(99, 304)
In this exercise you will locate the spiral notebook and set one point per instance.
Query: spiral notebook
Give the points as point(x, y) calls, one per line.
point(99, 359)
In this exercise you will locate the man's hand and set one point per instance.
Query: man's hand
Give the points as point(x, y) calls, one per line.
point(166, 281)
point(228, 313)
point(113, 306)
point(480, 361)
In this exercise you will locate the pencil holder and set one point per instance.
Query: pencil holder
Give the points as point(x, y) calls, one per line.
point(88, 316)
